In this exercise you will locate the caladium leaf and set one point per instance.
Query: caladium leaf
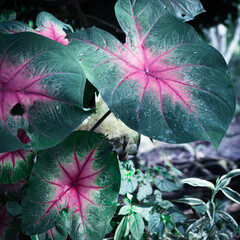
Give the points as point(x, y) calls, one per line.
point(51, 27)
point(80, 175)
point(184, 9)
point(47, 25)
point(41, 96)
point(9, 225)
point(164, 82)
point(15, 165)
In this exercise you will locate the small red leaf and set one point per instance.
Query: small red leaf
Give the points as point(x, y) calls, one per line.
point(23, 137)
point(5, 219)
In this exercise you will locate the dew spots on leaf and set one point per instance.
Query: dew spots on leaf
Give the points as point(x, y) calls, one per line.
point(153, 74)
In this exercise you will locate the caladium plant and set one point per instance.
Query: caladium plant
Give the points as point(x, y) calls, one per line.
point(79, 176)
point(164, 82)
point(39, 92)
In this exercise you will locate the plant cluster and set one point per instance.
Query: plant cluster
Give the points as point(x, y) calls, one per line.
point(163, 82)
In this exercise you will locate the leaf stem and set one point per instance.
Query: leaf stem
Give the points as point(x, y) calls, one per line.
point(100, 120)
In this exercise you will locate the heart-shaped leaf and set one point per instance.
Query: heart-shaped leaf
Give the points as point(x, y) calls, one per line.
point(47, 25)
point(164, 82)
point(15, 165)
point(80, 175)
point(41, 96)
point(9, 226)
point(184, 9)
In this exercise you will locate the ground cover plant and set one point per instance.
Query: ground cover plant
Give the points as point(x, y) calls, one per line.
point(163, 82)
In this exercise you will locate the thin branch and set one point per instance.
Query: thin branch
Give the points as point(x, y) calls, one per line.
point(81, 16)
point(100, 120)
point(114, 27)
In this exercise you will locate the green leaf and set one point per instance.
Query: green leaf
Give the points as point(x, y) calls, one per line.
point(211, 211)
point(41, 93)
point(196, 224)
point(231, 194)
point(174, 87)
point(136, 226)
point(156, 225)
point(222, 183)
point(231, 174)
point(80, 175)
point(223, 236)
point(176, 215)
point(191, 201)
point(125, 210)
point(167, 185)
point(184, 9)
point(128, 185)
point(197, 182)
point(227, 218)
point(14, 208)
point(7, 15)
point(144, 191)
point(122, 229)
point(195, 203)
point(59, 232)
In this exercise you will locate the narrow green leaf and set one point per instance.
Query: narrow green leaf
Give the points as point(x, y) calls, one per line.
point(222, 183)
point(228, 218)
point(122, 229)
point(223, 236)
point(136, 226)
point(211, 211)
point(191, 201)
point(197, 223)
point(197, 182)
point(230, 175)
point(231, 194)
